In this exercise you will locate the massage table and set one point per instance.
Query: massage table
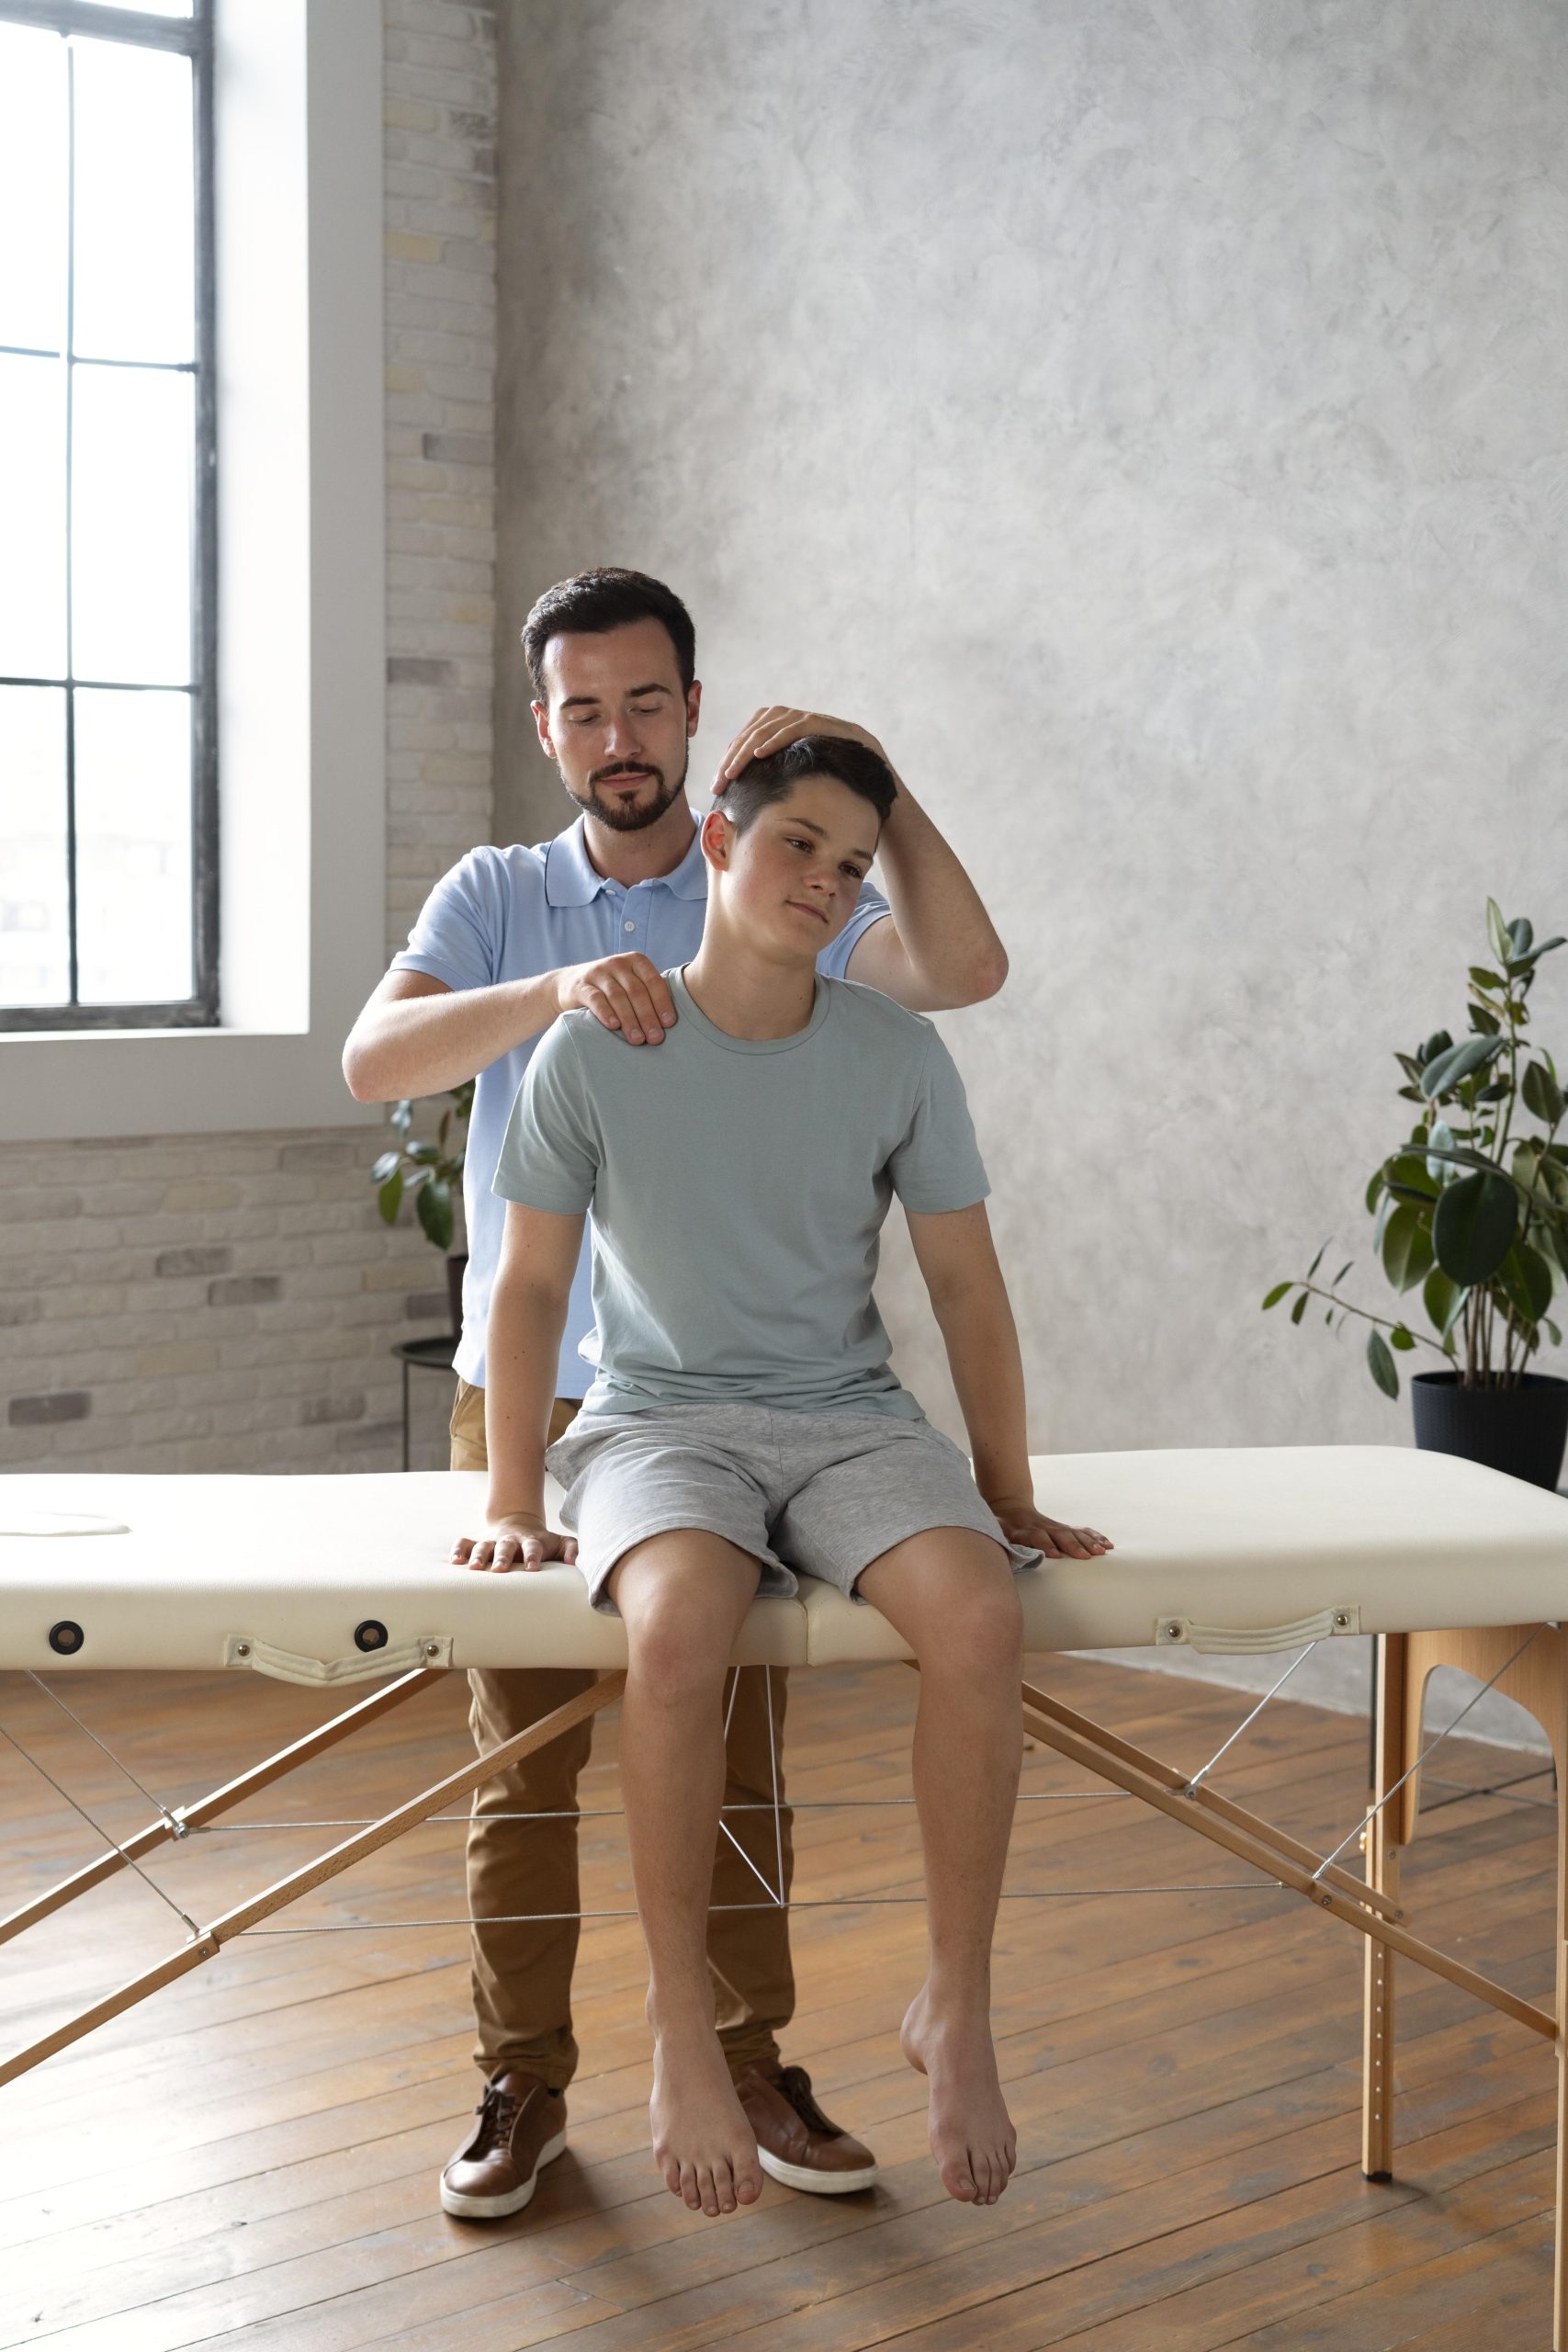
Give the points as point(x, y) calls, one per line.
point(343, 1581)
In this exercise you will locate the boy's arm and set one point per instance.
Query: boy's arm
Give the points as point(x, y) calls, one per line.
point(969, 1300)
point(938, 948)
point(527, 1316)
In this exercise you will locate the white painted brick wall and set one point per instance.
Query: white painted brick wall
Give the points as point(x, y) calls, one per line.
point(230, 1302)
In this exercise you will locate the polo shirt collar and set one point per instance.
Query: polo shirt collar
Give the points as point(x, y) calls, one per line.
point(571, 879)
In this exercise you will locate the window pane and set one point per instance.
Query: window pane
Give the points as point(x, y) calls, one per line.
point(135, 211)
point(33, 154)
point(35, 953)
point(32, 537)
point(151, 8)
point(131, 525)
point(133, 882)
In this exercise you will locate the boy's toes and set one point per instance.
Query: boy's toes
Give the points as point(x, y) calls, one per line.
point(958, 2180)
point(748, 2185)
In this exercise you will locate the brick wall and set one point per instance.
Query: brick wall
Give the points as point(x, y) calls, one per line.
point(228, 1301)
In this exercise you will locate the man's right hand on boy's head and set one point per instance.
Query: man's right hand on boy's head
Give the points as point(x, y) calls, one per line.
point(625, 992)
point(513, 1539)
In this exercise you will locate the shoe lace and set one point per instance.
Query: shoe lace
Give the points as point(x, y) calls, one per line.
point(497, 2112)
point(795, 2084)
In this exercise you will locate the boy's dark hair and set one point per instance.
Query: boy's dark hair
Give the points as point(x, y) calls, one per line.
point(591, 603)
point(774, 778)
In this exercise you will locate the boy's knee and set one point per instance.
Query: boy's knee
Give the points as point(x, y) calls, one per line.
point(984, 1637)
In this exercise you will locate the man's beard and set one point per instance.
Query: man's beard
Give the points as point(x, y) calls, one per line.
point(628, 816)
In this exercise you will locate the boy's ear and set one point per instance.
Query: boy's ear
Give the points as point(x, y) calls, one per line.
point(717, 834)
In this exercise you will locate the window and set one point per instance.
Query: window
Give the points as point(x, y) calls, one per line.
point(108, 909)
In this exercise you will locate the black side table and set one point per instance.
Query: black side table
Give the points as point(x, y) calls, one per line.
point(433, 1355)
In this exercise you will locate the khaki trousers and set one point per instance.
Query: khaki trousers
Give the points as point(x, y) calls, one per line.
point(522, 1973)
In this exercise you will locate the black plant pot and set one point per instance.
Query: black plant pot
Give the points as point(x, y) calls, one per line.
point(1521, 1430)
point(456, 1269)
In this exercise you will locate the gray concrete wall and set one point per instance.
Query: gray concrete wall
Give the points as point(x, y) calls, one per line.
point(1147, 415)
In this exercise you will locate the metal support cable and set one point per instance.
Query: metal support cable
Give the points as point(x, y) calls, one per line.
point(98, 1830)
point(171, 1821)
point(1368, 1819)
point(1199, 1776)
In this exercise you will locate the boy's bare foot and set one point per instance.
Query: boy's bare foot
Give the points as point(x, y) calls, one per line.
point(971, 2132)
point(702, 2142)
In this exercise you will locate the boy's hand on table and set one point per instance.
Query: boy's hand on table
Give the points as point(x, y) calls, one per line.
point(1021, 1523)
point(513, 1539)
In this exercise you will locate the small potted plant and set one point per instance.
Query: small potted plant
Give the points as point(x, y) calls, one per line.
point(430, 1173)
point(1473, 1211)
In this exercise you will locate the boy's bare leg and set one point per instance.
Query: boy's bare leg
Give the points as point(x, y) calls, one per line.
point(951, 1595)
point(683, 1596)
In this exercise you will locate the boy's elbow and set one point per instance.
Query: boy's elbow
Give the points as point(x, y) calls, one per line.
point(988, 973)
point(981, 975)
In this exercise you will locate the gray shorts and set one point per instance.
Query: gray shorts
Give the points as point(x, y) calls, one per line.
point(825, 1493)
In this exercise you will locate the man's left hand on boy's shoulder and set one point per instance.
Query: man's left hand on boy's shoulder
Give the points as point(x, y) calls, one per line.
point(1021, 1523)
point(778, 724)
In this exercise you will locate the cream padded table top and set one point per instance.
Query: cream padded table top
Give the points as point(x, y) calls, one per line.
point(1240, 1548)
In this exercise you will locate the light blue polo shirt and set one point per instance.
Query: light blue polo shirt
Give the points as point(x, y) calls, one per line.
point(510, 914)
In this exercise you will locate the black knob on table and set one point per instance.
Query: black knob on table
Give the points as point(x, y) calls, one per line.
point(66, 1638)
point(370, 1635)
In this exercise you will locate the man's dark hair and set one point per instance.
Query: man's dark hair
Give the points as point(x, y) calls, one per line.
point(766, 781)
point(591, 603)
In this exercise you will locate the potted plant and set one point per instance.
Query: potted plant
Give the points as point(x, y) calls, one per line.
point(429, 1171)
point(1473, 1211)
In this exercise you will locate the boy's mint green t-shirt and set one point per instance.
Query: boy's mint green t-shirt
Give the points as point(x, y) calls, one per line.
point(738, 1187)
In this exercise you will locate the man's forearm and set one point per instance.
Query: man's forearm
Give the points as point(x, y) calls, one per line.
point(983, 1356)
point(422, 1045)
point(522, 1352)
point(947, 935)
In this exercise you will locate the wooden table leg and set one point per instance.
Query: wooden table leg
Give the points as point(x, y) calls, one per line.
point(1382, 1877)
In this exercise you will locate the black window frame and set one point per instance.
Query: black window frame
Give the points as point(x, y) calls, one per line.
point(189, 37)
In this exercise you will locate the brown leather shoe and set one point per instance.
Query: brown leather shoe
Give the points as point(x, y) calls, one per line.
point(795, 2141)
point(522, 2127)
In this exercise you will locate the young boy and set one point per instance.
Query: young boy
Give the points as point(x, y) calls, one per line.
point(745, 1415)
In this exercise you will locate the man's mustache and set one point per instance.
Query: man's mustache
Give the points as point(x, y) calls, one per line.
point(625, 768)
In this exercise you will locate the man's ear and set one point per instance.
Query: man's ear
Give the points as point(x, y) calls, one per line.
point(541, 711)
point(693, 707)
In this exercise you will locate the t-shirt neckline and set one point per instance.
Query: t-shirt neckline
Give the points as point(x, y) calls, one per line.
point(689, 1009)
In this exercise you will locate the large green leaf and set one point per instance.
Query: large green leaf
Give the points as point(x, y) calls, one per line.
point(435, 1206)
point(1497, 931)
point(1442, 1135)
point(1460, 1062)
point(1474, 1225)
point(1527, 1279)
point(384, 1167)
point(1406, 1247)
point(1409, 1171)
point(1444, 1301)
point(1380, 1363)
point(1542, 1093)
point(1521, 933)
point(389, 1199)
point(1275, 1295)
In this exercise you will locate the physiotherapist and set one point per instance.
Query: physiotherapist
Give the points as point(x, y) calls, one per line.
point(507, 941)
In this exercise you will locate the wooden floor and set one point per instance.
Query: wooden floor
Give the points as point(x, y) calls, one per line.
point(250, 2159)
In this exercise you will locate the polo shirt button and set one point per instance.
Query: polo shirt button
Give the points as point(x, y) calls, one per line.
point(630, 926)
